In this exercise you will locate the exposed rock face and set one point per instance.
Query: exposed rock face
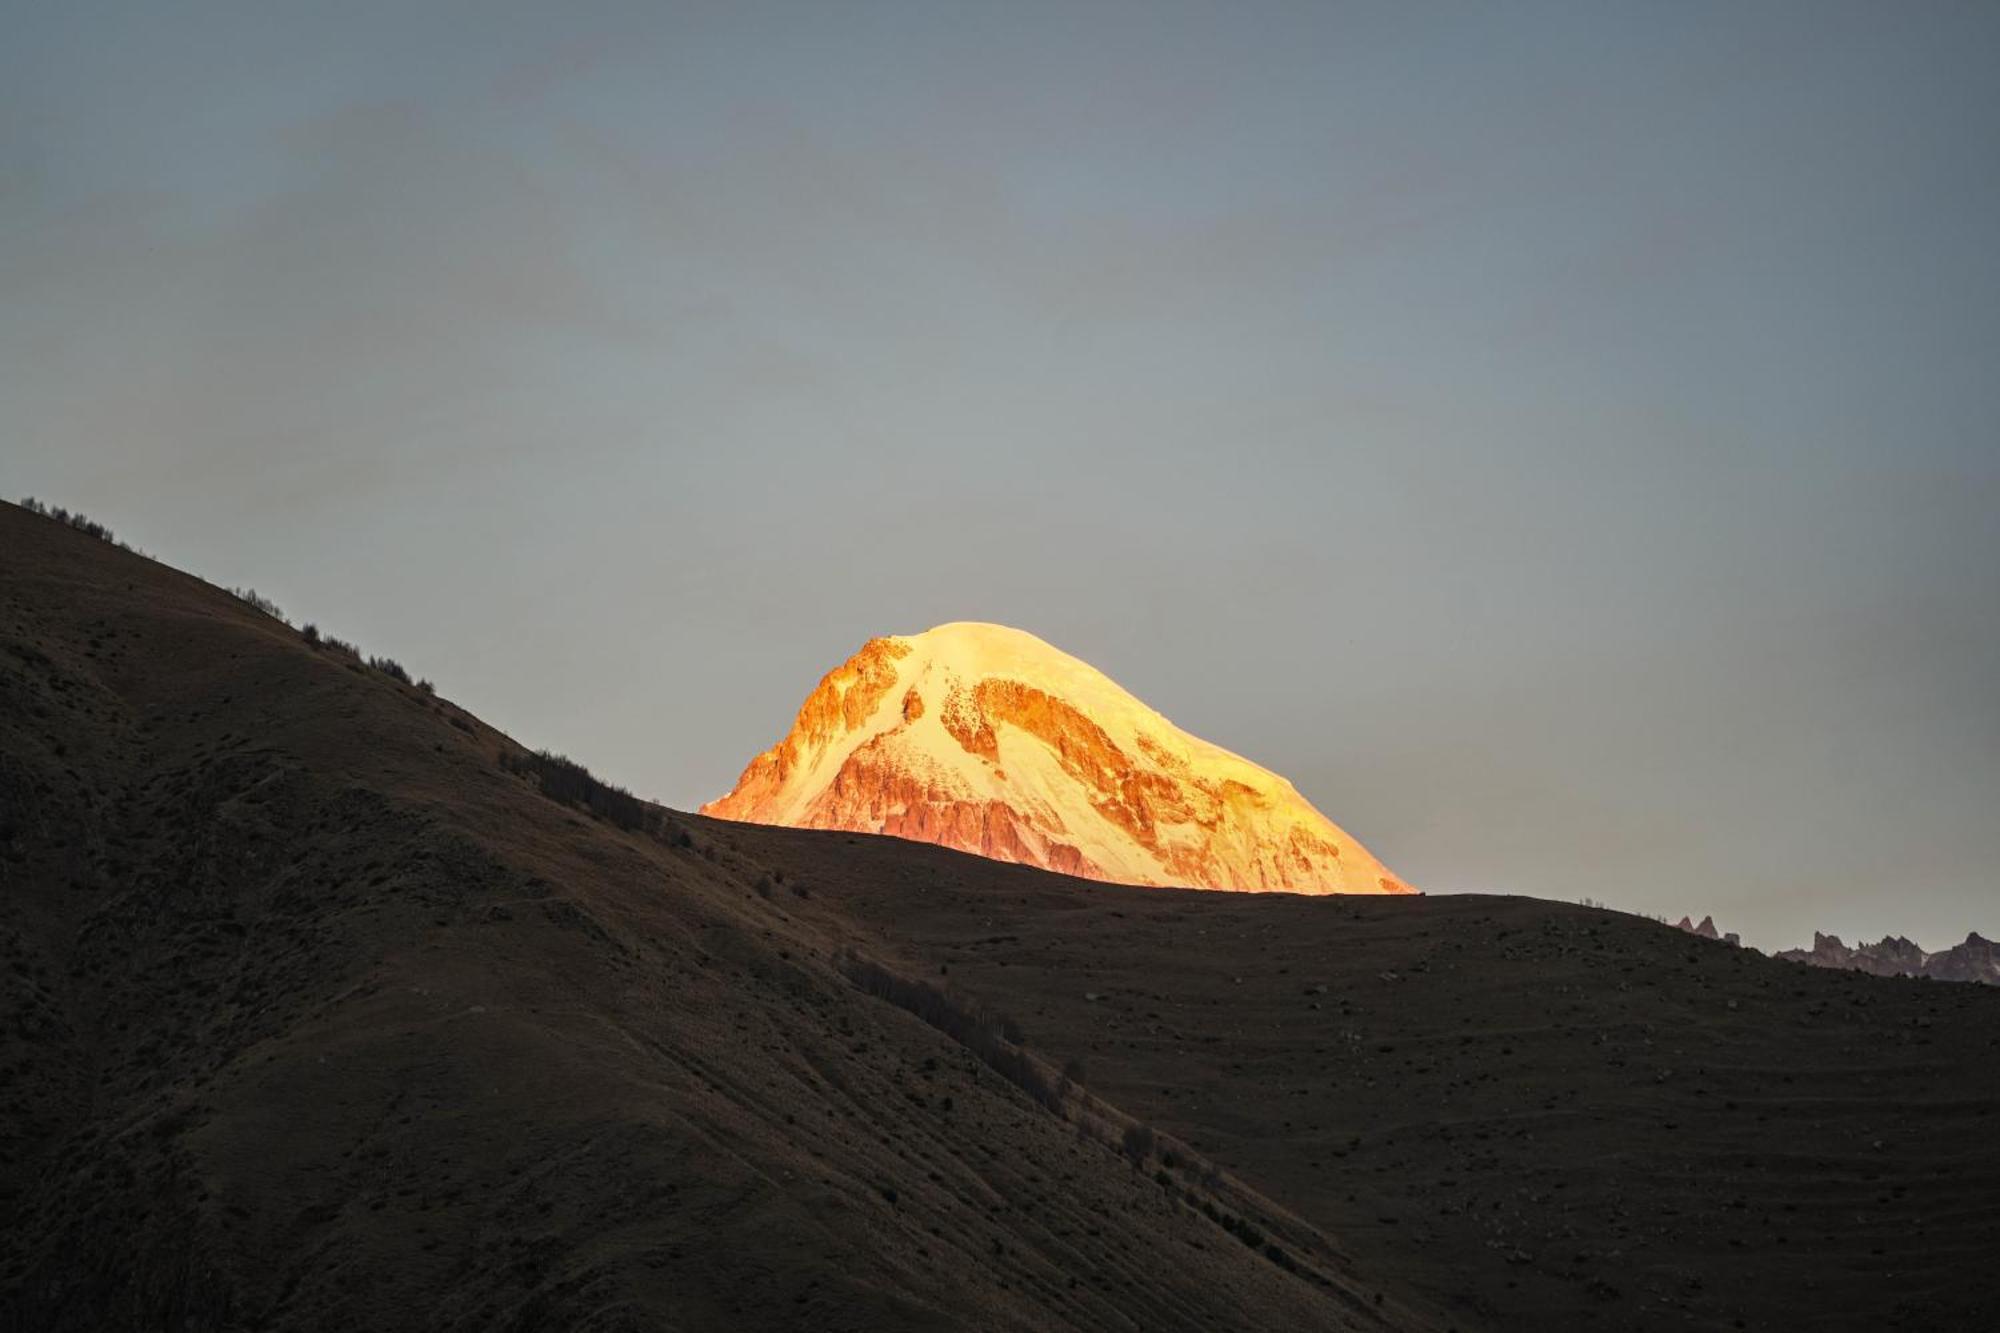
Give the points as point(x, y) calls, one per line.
point(988, 740)
point(1977, 959)
point(1707, 930)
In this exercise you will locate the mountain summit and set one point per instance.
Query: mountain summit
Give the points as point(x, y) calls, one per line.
point(988, 740)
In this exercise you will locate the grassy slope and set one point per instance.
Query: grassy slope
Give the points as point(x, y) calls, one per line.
point(1530, 1114)
point(315, 1018)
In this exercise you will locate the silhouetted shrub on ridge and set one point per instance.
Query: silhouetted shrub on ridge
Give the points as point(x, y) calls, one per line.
point(250, 597)
point(388, 666)
point(89, 527)
point(985, 1035)
point(569, 782)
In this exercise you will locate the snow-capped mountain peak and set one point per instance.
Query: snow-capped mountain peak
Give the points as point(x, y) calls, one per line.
point(986, 739)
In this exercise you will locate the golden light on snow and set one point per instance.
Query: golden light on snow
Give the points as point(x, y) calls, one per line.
point(986, 739)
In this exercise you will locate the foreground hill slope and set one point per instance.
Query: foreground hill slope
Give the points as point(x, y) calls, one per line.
point(986, 739)
point(317, 1017)
point(1528, 1114)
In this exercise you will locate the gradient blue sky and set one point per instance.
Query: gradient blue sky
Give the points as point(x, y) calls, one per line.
point(1561, 438)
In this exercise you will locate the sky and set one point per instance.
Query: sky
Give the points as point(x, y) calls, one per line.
point(1563, 439)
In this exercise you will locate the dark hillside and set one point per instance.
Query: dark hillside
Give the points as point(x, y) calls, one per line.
point(328, 1006)
point(318, 1016)
point(1533, 1114)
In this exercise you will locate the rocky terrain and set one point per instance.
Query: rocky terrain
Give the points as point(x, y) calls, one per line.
point(1708, 931)
point(329, 1007)
point(1975, 959)
point(988, 740)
